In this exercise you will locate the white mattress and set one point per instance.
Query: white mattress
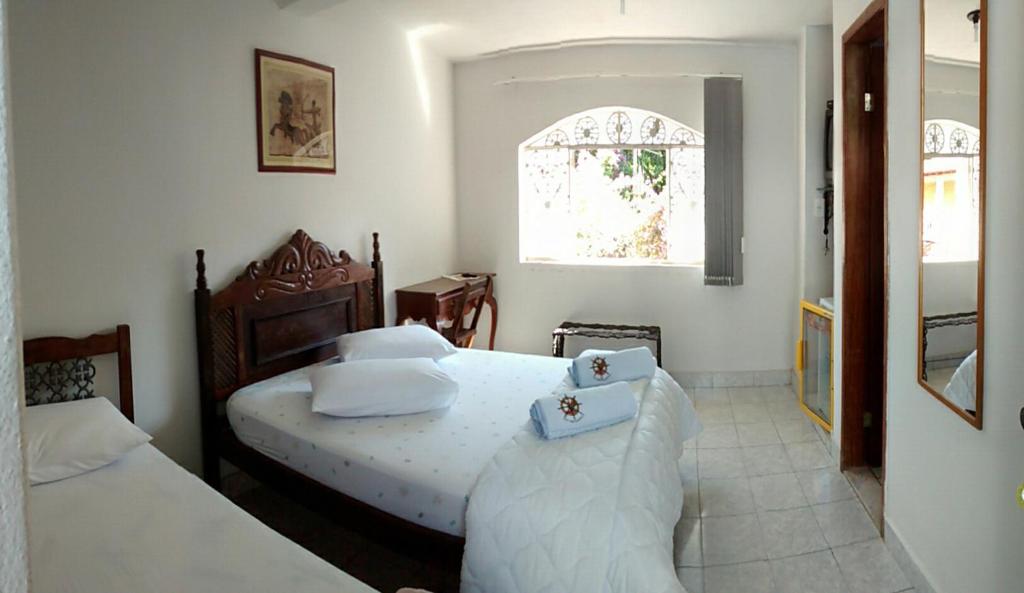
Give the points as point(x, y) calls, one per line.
point(143, 523)
point(420, 467)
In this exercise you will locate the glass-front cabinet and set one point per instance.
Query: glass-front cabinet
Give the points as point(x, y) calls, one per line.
point(814, 363)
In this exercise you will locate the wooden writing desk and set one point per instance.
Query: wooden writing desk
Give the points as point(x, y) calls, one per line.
point(433, 300)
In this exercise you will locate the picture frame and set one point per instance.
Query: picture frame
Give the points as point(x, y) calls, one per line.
point(295, 101)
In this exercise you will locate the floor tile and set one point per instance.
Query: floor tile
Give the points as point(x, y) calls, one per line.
point(766, 460)
point(709, 394)
point(790, 533)
point(687, 542)
point(869, 491)
point(691, 498)
point(777, 393)
point(731, 540)
point(800, 430)
point(785, 410)
point(747, 413)
point(721, 463)
point(824, 485)
point(811, 573)
point(714, 412)
point(718, 436)
point(688, 464)
point(868, 567)
point(760, 433)
point(745, 395)
point(844, 522)
point(805, 456)
point(691, 578)
point(749, 577)
point(725, 497)
point(777, 492)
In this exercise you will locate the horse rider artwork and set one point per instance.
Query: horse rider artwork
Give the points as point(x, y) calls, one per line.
point(293, 125)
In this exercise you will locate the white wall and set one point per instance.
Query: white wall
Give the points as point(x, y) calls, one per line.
point(699, 323)
point(815, 71)
point(950, 490)
point(13, 543)
point(952, 92)
point(134, 132)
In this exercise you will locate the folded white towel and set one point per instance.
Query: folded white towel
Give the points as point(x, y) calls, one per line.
point(598, 368)
point(582, 410)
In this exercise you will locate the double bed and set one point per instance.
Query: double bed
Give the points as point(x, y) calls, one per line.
point(416, 467)
point(440, 483)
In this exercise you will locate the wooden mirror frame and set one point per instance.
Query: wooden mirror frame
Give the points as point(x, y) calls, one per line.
point(976, 419)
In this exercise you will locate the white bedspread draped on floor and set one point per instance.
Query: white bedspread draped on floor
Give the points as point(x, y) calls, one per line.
point(591, 513)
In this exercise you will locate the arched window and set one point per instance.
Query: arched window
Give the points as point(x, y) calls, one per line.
point(950, 214)
point(612, 185)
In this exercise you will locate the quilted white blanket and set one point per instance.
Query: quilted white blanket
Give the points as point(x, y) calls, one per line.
point(590, 513)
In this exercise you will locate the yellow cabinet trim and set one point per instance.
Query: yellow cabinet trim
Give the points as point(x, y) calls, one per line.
point(801, 361)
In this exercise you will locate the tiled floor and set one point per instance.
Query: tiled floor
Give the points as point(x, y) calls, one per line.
point(766, 511)
point(867, 484)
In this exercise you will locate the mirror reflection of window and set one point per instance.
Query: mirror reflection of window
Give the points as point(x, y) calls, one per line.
point(951, 207)
point(952, 204)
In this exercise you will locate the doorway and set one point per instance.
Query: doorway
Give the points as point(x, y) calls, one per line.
point(865, 273)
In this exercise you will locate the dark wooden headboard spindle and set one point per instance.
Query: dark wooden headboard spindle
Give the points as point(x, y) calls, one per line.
point(280, 314)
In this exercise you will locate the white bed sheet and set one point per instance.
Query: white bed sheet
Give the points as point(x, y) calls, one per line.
point(961, 389)
point(144, 524)
point(420, 467)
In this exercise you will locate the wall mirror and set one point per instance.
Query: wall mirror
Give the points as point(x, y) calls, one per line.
point(952, 204)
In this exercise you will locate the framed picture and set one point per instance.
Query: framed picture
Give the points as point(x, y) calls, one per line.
point(294, 114)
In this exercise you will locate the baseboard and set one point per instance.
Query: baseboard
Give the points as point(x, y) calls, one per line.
point(733, 378)
point(905, 559)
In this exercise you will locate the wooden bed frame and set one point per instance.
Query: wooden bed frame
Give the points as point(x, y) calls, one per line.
point(282, 314)
point(51, 352)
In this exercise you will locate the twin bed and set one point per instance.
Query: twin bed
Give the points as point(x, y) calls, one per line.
point(142, 522)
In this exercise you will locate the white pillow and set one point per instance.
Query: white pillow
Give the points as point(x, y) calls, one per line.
point(400, 341)
point(71, 438)
point(381, 387)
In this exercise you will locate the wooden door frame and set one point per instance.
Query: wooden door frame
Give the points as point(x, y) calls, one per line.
point(871, 24)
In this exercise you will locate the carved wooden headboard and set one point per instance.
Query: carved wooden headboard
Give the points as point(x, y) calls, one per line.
point(280, 314)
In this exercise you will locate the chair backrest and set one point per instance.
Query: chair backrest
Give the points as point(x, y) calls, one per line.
point(488, 290)
point(458, 321)
point(60, 369)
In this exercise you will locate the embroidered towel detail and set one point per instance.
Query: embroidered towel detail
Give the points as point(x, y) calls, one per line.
point(572, 412)
point(598, 368)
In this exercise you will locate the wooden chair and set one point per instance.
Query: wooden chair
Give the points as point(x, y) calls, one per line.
point(60, 369)
point(462, 335)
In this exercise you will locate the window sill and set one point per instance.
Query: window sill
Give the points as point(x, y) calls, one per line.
point(610, 263)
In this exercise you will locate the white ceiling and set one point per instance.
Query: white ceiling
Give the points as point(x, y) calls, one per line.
point(948, 34)
point(464, 29)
